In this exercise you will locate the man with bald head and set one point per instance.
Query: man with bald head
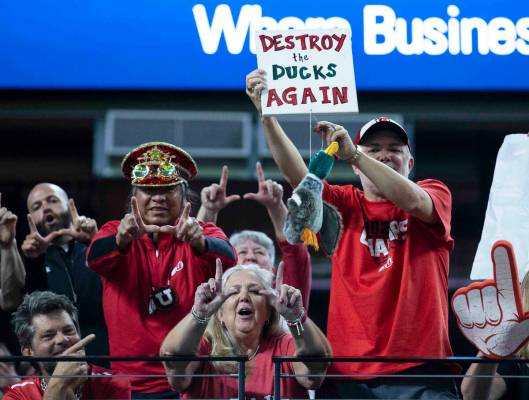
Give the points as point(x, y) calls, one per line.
point(55, 260)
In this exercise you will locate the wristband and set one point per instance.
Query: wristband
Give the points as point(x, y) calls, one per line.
point(198, 318)
point(355, 156)
point(298, 322)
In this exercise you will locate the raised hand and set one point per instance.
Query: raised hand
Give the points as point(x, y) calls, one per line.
point(214, 197)
point(8, 225)
point(81, 228)
point(34, 244)
point(287, 300)
point(255, 85)
point(209, 296)
point(330, 132)
point(269, 193)
point(132, 226)
point(490, 313)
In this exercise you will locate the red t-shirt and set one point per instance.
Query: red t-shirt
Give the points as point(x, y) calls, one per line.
point(101, 385)
point(389, 288)
point(259, 385)
point(127, 281)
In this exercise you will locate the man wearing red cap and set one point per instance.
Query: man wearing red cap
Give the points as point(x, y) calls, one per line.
point(152, 261)
point(389, 290)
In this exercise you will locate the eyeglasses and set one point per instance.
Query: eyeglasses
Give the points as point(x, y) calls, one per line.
point(165, 169)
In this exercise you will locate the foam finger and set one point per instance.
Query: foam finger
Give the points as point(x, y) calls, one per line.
point(476, 307)
point(493, 313)
point(506, 277)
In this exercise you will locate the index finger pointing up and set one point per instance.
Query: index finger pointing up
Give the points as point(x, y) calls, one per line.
point(224, 177)
point(259, 172)
point(218, 271)
point(136, 212)
point(185, 212)
point(73, 211)
point(279, 274)
point(32, 226)
point(506, 277)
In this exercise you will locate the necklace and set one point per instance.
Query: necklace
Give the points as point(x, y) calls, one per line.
point(252, 356)
point(77, 393)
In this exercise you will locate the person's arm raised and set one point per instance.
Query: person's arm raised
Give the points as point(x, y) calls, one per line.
point(270, 194)
point(12, 271)
point(398, 189)
point(284, 152)
point(214, 199)
point(184, 338)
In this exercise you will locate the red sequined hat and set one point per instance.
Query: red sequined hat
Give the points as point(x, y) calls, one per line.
point(158, 164)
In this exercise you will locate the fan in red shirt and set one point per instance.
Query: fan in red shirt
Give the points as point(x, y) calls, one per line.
point(255, 247)
point(46, 325)
point(152, 261)
point(389, 285)
point(238, 313)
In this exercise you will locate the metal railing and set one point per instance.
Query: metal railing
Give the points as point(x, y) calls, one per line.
point(277, 361)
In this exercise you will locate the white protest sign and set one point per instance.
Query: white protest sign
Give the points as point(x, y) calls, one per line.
point(507, 216)
point(307, 71)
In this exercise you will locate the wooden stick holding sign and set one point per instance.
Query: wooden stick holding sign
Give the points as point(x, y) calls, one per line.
point(307, 71)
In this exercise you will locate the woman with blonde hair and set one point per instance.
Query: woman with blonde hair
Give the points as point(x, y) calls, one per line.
point(238, 313)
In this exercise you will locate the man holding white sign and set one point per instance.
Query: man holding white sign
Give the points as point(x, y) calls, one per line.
point(309, 71)
point(389, 294)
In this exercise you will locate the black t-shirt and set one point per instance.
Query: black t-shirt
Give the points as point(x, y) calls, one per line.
point(517, 388)
point(65, 272)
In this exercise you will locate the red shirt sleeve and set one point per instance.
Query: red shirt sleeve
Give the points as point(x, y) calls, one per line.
point(26, 389)
point(297, 268)
point(218, 246)
point(103, 254)
point(442, 203)
point(338, 196)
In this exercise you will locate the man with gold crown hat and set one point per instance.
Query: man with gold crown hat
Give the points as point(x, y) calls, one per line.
point(152, 261)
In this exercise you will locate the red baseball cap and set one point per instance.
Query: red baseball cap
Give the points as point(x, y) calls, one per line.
point(382, 123)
